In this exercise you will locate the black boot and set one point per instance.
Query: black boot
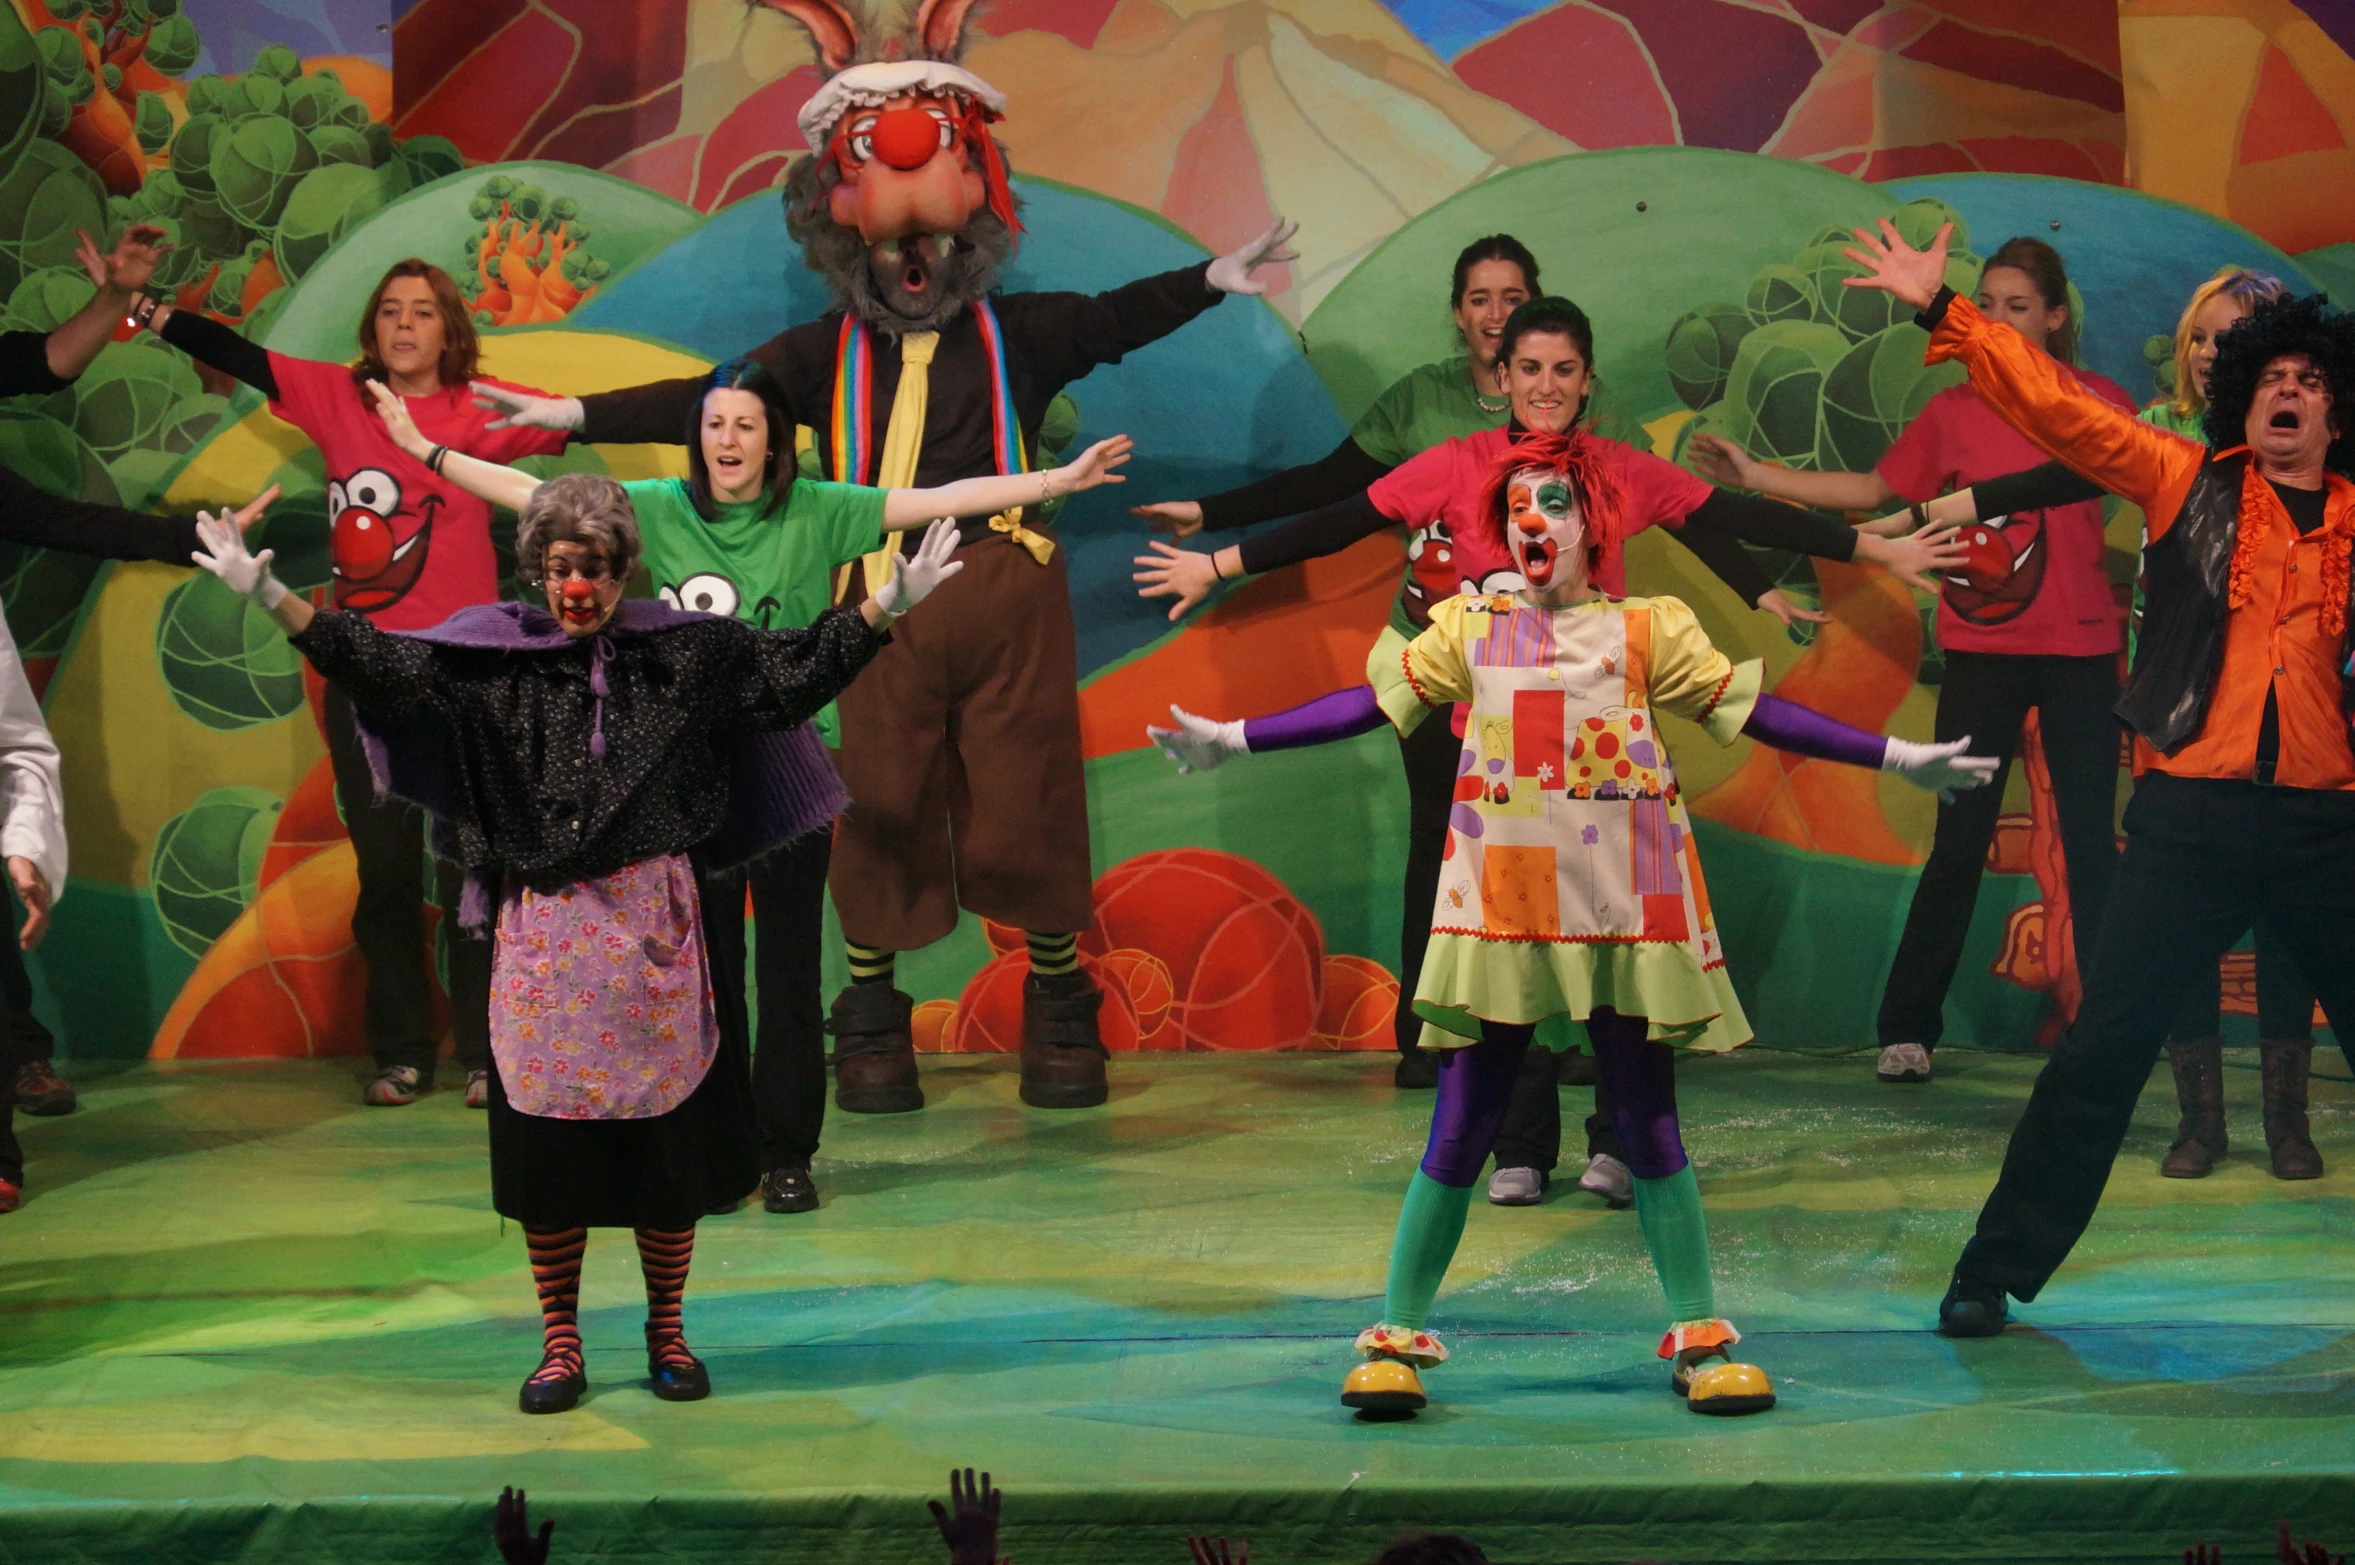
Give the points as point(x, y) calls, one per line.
point(2286, 1133)
point(874, 1051)
point(1971, 1308)
point(2198, 1064)
point(1062, 1053)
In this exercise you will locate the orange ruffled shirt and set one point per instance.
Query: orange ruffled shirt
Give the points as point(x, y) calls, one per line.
point(2279, 633)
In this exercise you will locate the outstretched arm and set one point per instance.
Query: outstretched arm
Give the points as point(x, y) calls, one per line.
point(1943, 769)
point(119, 274)
point(1098, 464)
point(507, 486)
point(209, 342)
point(1189, 576)
point(1201, 744)
point(1722, 462)
point(1337, 475)
point(2028, 388)
point(1916, 560)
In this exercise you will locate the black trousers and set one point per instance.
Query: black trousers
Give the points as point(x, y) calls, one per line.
point(2205, 860)
point(789, 1054)
point(1988, 696)
point(388, 840)
point(26, 1039)
point(1429, 754)
point(1532, 1132)
point(2285, 1002)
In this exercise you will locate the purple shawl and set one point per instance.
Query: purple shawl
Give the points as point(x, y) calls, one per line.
point(782, 785)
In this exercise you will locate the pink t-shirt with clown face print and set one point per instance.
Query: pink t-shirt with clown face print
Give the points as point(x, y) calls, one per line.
point(408, 547)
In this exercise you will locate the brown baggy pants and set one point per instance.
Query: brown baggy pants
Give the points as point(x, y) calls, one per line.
point(960, 747)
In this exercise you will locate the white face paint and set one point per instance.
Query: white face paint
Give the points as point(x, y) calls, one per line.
point(1547, 534)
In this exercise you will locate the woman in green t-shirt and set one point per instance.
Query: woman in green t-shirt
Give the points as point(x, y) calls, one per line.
point(740, 535)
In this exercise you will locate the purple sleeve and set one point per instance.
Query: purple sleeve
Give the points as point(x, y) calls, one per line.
point(1804, 731)
point(1340, 715)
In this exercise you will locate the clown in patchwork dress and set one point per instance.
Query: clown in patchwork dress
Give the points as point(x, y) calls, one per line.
point(1570, 887)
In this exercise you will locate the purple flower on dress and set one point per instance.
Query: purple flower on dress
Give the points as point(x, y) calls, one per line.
point(1641, 752)
point(1465, 819)
point(1589, 836)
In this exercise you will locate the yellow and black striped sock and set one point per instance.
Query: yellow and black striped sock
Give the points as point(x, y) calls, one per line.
point(871, 964)
point(1051, 955)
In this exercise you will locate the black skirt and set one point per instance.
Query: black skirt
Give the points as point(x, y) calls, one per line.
point(666, 1172)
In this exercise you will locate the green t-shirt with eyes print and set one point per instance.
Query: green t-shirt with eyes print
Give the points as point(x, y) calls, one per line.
point(770, 567)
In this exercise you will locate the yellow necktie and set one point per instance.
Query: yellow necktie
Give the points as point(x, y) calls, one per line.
point(903, 442)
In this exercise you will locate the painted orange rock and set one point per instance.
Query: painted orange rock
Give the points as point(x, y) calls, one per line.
point(309, 824)
point(284, 981)
point(934, 1024)
point(1360, 1007)
point(1245, 958)
point(1150, 995)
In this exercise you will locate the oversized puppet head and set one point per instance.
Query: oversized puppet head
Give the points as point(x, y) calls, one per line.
point(903, 205)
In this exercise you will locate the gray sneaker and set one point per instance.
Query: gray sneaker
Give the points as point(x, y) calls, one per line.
point(1904, 1062)
point(1516, 1187)
point(1609, 1178)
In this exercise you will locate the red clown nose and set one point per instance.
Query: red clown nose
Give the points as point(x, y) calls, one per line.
point(578, 591)
point(905, 138)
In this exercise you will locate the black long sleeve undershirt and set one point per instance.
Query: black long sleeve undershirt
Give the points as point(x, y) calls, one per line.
point(1716, 547)
point(2033, 489)
point(212, 343)
point(1335, 476)
point(1773, 525)
point(24, 365)
point(1326, 530)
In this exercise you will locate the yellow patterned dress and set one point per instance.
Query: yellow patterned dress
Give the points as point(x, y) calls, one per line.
point(1570, 879)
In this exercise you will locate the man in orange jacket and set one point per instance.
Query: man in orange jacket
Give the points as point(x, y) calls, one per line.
point(2245, 811)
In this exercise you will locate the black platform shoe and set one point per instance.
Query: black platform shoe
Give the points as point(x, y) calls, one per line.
point(552, 1393)
point(789, 1190)
point(688, 1382)
point(1971, 1308)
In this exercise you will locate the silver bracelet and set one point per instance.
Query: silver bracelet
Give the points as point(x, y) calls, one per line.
point(1045, 492)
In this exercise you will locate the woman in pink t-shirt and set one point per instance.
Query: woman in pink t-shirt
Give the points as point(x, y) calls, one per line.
point(2029, 620)
point(408, 549)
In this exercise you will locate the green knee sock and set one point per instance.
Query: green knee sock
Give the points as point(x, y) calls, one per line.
point(1677, 1234)
point(1429, 1226)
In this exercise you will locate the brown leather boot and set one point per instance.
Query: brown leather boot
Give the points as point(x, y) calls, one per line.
point(1062, 1054)
point(2286, 1134)
point(2199, 1091)
point(874, 1051)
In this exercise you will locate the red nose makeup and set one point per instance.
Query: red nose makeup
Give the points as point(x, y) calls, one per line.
point(578, 592)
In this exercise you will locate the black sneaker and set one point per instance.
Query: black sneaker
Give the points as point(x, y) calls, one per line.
point(788, 1190)
point(40, 1090)
point(1417, 1070)
point(1971, 1308)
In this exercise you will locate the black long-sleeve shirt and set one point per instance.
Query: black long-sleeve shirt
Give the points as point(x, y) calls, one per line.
point(1714, 530)
point(1051, 339)
point(2032, 489)
point(35, 518)
point(1337, 475)
point(529, 795)
point(208, 341)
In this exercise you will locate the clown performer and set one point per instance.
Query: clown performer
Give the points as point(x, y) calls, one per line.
point(408, 550)
point(961, 746)
point(1571, 886)
point(1427, 406)
point(2244, 803)
point(2285, 1000)
point(2027, 620)
point(741, 535)
point(1546, 350)
point(597, 761)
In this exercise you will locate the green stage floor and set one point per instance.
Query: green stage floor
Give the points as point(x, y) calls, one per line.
point(244, 1319)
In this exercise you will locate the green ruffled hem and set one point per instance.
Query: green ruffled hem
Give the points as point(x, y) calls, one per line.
point(1466, 980)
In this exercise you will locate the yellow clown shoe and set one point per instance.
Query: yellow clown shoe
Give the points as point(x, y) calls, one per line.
point(1723, 1388)
point(1388, 1382)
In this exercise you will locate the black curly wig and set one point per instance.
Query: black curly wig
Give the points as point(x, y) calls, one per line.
point(2306, 326)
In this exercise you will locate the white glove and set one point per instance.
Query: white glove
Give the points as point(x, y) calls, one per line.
point(518, 411)
point(1198, 744)
point(1943, 769)
point(1231, 273)
point(224, 554)
point(918, 574)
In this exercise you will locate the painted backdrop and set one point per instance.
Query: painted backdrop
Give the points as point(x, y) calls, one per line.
point(599, 175)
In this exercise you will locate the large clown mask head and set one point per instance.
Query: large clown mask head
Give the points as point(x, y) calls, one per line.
point(1546, 530)
point(902, 157)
